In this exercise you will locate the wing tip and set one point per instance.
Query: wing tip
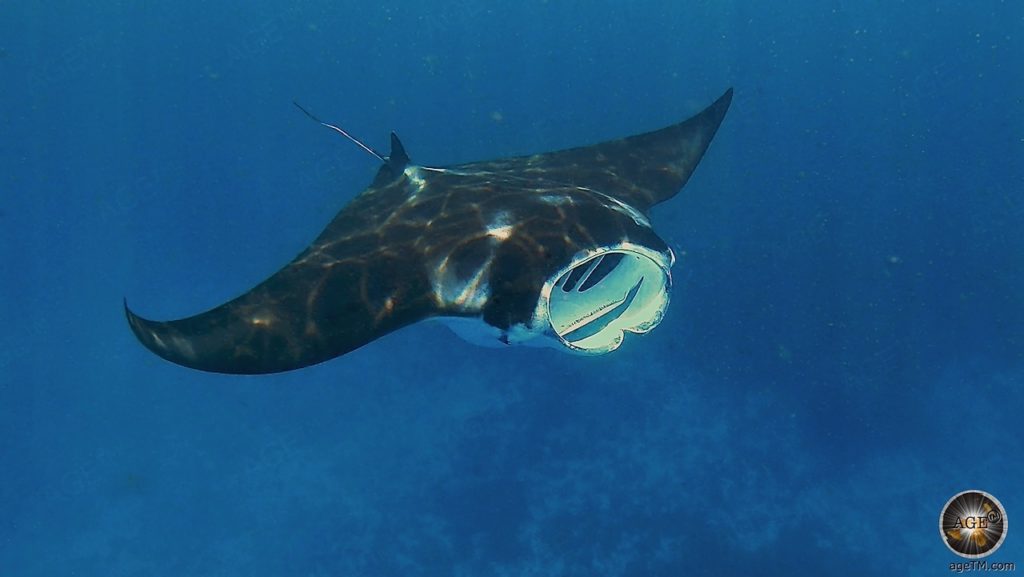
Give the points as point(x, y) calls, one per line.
point(143, 328)
point(146, 332)
point(167, 340)
point(721, 105)
point(134, 320)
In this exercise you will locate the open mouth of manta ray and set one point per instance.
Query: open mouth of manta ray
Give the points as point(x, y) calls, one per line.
point(594, 301)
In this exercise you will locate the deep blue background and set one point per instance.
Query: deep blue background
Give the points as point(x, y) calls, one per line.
point(845, 349)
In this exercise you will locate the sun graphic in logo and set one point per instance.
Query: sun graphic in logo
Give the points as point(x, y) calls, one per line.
point(973, 524)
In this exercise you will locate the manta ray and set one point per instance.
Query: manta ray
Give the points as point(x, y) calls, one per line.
point(554, 248)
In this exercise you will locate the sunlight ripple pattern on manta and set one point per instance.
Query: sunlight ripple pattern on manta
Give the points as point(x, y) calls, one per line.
point(553, 248)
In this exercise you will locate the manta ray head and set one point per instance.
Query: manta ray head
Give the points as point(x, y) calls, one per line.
point(576, 278)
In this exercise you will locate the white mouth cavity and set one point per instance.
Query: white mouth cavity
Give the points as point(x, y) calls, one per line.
point(599, 298)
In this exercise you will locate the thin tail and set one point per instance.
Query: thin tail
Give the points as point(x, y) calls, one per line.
point(342, 132)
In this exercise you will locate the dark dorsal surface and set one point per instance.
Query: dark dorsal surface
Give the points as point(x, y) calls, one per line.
point(475, 240)
point(640, 170)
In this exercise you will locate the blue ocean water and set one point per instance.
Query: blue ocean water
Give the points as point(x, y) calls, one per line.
point(844, 351)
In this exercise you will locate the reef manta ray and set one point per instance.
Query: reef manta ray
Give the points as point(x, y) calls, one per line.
point(552, 248)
